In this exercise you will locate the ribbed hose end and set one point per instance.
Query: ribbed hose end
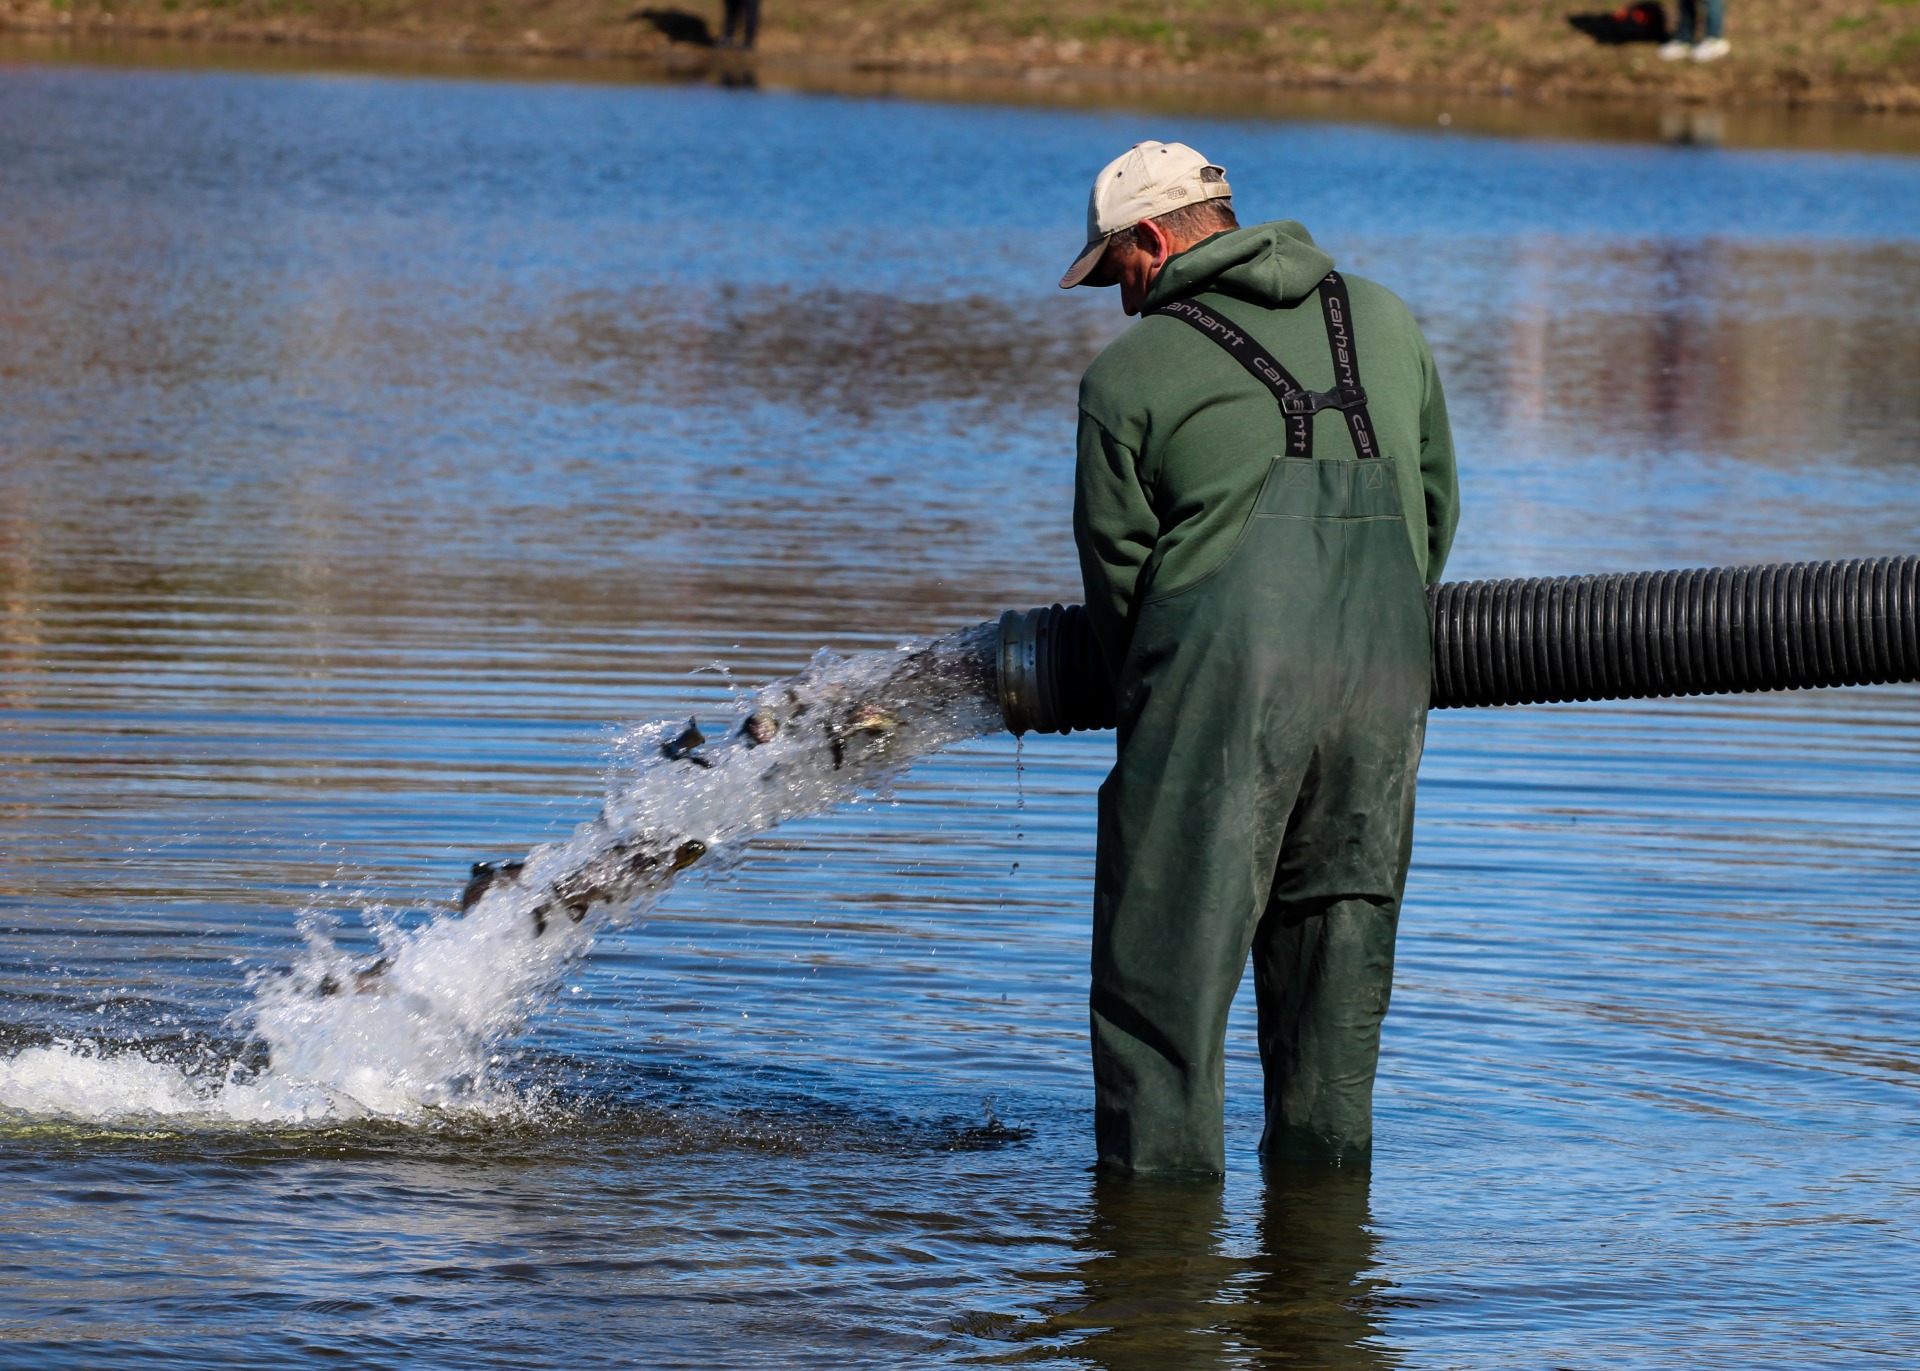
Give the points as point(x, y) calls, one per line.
point(1051, 676)
point(1018, 669)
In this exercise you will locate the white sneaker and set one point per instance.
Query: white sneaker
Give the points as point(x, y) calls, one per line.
point(1674, 51)
point(1712, 50)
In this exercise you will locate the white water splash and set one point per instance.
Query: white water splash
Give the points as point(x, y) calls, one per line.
point(81, 1082)
point(422, 1035)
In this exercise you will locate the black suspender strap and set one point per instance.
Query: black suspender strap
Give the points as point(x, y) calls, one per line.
point(1297, 402)
point(1346, 363)
point(1250, 355)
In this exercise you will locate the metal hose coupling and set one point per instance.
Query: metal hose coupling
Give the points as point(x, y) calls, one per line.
point(1539, 640)
point(1052, 678)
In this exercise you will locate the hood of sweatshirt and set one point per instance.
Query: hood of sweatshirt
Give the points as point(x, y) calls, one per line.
point(1275, 264)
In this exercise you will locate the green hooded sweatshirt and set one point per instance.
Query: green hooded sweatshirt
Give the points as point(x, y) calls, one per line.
point(1175, 435)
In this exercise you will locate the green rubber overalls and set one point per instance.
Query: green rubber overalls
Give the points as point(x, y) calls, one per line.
point(1271, 719)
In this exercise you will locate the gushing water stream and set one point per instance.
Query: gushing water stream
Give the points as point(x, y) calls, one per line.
point(419, 1031)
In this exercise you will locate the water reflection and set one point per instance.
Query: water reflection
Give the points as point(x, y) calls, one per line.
point(824, 348)
point(1772, 352)
point(1166, 1280)
point(1765, 351)
point(1690, 126)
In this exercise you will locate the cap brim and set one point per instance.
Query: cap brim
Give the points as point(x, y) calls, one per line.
point(1084, 264)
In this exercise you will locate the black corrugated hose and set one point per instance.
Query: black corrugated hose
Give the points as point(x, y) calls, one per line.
point(1628, 635)
point(1711, 631)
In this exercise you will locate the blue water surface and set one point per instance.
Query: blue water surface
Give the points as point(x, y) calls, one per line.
point(369, 445)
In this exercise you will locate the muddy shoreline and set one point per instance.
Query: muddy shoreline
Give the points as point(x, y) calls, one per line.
point(1799, 59)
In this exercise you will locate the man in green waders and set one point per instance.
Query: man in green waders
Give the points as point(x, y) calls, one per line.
point(1265, 485)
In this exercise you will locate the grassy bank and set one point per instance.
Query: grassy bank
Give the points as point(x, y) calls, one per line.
point(1863, 53)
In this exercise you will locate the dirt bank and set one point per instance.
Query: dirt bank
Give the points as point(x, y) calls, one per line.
point(1859, 53)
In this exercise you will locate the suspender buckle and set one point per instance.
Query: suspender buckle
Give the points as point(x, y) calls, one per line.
point(1306, 402)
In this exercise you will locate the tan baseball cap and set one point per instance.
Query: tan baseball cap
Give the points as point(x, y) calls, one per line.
point(1145, 181)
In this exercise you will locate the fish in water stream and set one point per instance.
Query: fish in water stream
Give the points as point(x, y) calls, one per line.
point(804, 744)
point(620, 875)
point(681, 749)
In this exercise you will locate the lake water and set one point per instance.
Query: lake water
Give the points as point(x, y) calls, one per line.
point(370, 447)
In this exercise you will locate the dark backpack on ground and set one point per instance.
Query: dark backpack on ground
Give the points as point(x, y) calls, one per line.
point(1645, 22)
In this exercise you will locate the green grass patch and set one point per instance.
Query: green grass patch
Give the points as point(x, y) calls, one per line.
point(1121, 26)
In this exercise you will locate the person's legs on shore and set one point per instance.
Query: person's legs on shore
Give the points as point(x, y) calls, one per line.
point(1710, 29)
point(1681, 43)
point(743, 20)
point(1713, 44)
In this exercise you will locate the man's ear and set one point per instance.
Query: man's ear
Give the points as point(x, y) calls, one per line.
point(1155, 241)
